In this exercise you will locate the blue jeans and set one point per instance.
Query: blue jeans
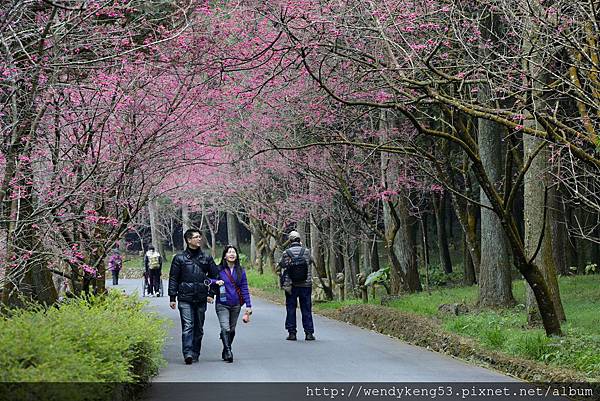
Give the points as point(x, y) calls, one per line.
point(291, 303)
point(192, 323)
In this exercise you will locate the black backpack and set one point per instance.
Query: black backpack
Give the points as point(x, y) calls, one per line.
point(296, 266)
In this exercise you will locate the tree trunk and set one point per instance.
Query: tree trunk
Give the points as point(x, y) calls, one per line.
point(468, 268)
point(366, 268)
point(270, 250)
point(154, 231)
point(423, 226)
point(538, 224)
point(560, 234)
point(537, 282)
point(335, 260)
point(260, 251)
point(439, 206)
point(252, 249)
point(213, 242)
point(424, 240)
point(466, 214)
point(348, 288)
point(232, 230)
point(212, 229)
point(538, 228)
point(374, 255)
point(398, 225)
point(301, 228)
point(185, 220)
point(449, 216)
point(495, 283)
point(406, 246)
point(316, 248)
point(350, 268)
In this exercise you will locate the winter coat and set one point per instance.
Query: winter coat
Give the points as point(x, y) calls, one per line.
point(115, 262)
point(239, 276)
point(190, 272)
point(147, 257)
point(295, 248)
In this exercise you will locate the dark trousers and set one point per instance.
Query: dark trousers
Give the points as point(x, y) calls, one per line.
point(228, 316)
point(154, 280)
point(115, 276)
point(192, 327)
point(291, 303)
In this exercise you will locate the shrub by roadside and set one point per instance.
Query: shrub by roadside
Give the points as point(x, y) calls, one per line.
point(107, 339)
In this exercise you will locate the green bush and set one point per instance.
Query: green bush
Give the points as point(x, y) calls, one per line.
point(106, 338)
point(533, 345)
point(266, 281)
point(439, 278)
point(244, 260)
point(494, 337)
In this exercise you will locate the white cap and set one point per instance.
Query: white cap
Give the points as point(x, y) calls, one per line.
point(293, 235)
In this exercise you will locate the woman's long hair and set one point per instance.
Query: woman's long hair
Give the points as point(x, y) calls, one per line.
point(237, 267)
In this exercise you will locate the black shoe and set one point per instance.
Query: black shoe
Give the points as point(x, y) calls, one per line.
point(226, 354)
point(188, 360)
point(291, 337)
point(309, 337)
point(231, 336)
point(195, 358)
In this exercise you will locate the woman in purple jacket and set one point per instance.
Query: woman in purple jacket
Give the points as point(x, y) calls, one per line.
point(233, 294)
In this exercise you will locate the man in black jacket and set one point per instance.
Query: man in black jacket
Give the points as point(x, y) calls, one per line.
point(189, 281)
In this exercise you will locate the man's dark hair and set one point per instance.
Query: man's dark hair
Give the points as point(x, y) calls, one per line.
point(293, 240)
point(189, 233)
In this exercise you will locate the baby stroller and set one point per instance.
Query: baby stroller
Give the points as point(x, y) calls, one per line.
point(146, 286)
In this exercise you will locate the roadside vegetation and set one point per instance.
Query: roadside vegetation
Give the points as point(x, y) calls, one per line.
point(100, 339)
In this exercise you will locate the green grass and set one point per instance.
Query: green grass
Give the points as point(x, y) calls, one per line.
point(267, 282)
point(337, 304)
point(427, 303)
point(507, 331)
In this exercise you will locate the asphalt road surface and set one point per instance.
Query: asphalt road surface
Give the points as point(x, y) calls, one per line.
point(341, 353)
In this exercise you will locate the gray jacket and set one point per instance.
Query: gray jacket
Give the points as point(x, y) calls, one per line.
point(295, 248)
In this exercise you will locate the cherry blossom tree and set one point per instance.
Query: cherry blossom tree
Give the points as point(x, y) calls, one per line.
point(429, 60)
point(91, 110)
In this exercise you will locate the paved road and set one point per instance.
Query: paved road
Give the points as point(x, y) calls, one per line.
point(342, 353)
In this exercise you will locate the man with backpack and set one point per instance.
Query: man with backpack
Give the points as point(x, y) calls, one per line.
point(296, 279)
point(153, 266)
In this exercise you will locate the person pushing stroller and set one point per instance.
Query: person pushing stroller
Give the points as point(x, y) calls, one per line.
point(152, 270)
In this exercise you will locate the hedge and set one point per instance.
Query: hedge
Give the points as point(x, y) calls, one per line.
point(97, 343)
